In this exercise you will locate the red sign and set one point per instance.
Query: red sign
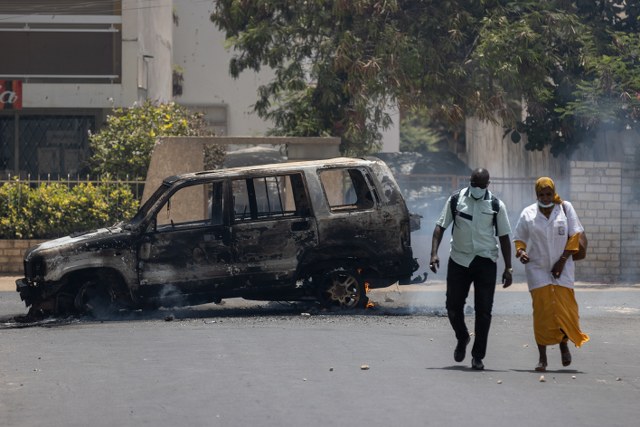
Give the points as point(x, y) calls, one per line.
point(10, 95)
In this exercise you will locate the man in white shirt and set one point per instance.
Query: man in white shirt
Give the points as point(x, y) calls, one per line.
point(477, 217)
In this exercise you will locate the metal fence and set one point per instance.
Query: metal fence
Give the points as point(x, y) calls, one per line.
point(426, 194)
point(137, 186)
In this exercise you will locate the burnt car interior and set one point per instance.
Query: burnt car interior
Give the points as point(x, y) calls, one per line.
point(268, 197)
point(348, 189)
point(210, 214)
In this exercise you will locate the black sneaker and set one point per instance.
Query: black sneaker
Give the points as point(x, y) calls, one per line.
point(461, 349)
point(477, 364)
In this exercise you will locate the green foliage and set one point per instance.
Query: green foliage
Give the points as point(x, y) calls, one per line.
point(339, 64)
point(314, 49)
point(304, 113)
point(57, 209)
point(123, 147)
point(590, 67)
point(420, 132)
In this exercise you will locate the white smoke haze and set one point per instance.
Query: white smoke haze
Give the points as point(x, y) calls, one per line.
point(428, 199)
point(170, 296)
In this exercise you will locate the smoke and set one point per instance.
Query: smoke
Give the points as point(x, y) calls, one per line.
point(170, 296)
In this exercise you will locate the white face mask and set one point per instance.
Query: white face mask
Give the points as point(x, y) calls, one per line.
point(477, 192)
point(542, 205)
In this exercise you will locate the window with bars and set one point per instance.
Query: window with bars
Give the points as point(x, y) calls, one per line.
point(46, 146)
point(269, 197)
point(60, 41)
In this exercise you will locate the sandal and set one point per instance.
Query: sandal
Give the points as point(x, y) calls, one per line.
point(564, 352)
point(541, 367)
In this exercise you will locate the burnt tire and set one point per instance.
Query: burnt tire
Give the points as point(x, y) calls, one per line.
point(343, 288)
point(94, 299)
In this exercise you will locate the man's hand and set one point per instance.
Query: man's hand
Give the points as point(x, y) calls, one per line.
point(434, 264)
point(507, 278)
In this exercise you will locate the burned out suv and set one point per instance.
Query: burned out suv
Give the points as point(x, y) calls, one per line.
point(316, 230)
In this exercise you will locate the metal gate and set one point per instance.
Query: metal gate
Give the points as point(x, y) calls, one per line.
point(45, 146)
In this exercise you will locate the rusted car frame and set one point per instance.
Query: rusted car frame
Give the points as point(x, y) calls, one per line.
point(318, 230)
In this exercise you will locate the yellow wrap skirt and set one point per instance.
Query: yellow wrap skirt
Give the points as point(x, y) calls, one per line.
point(555, 315)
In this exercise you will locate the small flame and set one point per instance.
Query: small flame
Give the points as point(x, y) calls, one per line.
point(366, 291)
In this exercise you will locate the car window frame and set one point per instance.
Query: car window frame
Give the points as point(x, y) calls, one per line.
point(299, 196)
point(365, 187)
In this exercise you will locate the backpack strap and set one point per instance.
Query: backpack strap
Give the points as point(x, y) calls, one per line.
point(495, 206)
point(453, 206)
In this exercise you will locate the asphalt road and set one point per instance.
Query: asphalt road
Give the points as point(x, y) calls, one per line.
point(267, 364)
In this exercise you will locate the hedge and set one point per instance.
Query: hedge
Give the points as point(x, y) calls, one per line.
point(57, 209)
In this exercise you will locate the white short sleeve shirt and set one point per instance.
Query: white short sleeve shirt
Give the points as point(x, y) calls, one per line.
point(473, 232)
point(546, 239)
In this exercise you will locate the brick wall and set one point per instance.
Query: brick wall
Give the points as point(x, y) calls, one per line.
point(12, 253)
point(596, 193)
point(630, 217)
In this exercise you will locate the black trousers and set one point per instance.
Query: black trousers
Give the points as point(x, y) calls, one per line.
point(482, 273)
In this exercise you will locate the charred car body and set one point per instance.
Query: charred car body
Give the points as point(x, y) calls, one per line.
point(317, 230)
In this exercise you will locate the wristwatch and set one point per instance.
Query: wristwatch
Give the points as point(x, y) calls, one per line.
point(510, 270)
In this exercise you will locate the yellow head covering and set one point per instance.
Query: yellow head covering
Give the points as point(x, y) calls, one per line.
point(544, 182)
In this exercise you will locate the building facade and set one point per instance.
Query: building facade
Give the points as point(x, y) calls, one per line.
point(202, 59)
point(66, 66)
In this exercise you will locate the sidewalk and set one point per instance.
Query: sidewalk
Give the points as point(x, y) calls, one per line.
point(8, 283)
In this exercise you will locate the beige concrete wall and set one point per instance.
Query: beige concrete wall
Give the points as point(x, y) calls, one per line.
point(487, 146)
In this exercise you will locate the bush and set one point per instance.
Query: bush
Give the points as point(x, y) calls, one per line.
point(124, 145)
point(57, 209)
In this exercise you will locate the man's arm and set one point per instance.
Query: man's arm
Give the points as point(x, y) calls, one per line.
point(505, 247)
point(434, 263)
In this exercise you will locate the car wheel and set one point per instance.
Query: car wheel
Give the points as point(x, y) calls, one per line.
point(344, 288)
point(94, 299)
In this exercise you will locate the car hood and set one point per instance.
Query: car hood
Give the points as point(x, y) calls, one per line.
point(85, 240)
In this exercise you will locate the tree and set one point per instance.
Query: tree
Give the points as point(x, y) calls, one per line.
point(345, 61)
point(123, 147)
point(421, 133)
point(592, 80)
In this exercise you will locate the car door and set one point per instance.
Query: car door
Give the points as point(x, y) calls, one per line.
point(356, 223)
point(272, 225)
point(187, 250)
